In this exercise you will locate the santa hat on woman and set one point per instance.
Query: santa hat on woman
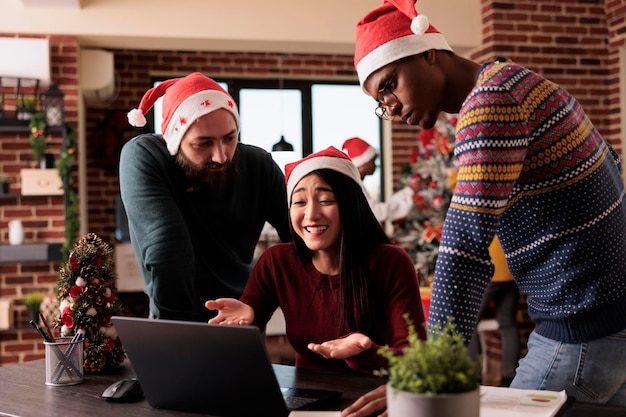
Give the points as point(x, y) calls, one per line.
point(329, 158)
point(359, 151)
point(185, 100)
point(390, 32)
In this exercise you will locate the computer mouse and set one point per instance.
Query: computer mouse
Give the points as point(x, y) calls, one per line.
point(125, 390)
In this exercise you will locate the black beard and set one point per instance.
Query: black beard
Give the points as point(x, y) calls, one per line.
point(203, 177)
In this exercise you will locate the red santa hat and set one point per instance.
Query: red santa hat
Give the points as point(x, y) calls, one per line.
point(186, 99)
point(359, 151)
point(329, 158)
point(390, 32)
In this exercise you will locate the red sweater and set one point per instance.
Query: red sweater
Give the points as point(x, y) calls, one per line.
point(311, 303)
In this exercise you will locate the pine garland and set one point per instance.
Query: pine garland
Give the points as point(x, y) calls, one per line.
point(66, 162)
point(37, 127)
point(87, 300)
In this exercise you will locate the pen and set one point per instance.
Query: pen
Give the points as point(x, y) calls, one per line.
point(45, 323)
point(40, 331)
point(68, 354)
point(67, 364)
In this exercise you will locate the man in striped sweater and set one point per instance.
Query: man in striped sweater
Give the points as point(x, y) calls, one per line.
point(534, 170)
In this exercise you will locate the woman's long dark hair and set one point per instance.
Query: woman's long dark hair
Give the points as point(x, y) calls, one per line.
point(360, 232)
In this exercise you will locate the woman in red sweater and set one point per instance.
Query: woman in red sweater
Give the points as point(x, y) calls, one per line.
point(343, 287)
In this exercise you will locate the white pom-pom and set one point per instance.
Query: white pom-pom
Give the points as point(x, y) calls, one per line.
point(419, 24)
point(81, 282)
point(63, 304)
point(136, 118)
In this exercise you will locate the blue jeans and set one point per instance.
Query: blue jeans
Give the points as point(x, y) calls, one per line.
point(594, 371)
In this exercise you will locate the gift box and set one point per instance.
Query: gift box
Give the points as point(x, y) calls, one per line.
point(425, 294)
point(41, 182)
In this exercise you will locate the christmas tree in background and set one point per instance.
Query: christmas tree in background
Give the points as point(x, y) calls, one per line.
point(87, 300)
point(432, 161)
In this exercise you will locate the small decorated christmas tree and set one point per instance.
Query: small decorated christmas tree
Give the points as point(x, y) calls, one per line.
point(432, 160)
point(87, 300)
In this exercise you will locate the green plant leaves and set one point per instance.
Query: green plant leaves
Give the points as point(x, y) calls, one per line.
point(438, 365)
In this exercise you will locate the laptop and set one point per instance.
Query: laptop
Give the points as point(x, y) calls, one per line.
point(213, 369)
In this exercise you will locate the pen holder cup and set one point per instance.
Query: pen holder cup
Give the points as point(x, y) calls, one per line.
point(64, 362)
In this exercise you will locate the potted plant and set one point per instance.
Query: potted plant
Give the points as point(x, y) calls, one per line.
point(431, 378)
point(32, 301)
point(25, 107)
point(5, 183)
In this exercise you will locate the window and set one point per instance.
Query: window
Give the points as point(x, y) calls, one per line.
point(310, 115)
point(340, 112)
point(268, 114)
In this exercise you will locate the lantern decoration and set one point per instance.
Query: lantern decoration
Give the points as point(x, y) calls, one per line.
point(54, 106)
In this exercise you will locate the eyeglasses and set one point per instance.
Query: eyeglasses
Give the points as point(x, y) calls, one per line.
point(385, 108)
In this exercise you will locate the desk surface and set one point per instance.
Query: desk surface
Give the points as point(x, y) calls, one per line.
point(23, 393)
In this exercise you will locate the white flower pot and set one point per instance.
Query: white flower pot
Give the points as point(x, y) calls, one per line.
point(408, 404)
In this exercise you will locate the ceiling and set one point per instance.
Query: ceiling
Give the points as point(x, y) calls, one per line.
point(320, 26)
point(74, 4)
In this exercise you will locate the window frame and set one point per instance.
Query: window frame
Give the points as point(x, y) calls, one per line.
point(305, 86)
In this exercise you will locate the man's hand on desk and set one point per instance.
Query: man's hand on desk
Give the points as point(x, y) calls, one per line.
point(369, 404)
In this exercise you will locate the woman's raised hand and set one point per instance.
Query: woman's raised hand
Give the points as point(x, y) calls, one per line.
point(230, 311)
point(343, 348)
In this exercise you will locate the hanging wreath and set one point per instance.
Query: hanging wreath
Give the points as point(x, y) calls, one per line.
point(109, 138)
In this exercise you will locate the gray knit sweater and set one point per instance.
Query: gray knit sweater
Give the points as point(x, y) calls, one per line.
point(196, 245)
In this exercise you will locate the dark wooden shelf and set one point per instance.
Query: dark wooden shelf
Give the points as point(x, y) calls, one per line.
point(30, 252)
point(23, 126)
point(15, 196)
point(9, 124)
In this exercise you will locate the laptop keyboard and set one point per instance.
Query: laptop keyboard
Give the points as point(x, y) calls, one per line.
point(296, 403)
point(307, 398)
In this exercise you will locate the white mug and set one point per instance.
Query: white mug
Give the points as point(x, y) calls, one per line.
point(16, 232)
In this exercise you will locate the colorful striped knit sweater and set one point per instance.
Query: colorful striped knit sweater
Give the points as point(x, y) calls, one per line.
point(534, 169)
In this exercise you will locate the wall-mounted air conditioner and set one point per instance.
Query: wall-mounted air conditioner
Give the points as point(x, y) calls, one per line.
point(97, 72)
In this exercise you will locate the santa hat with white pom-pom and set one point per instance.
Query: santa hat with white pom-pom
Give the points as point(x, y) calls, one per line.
point(390, 32)
point(184, 100)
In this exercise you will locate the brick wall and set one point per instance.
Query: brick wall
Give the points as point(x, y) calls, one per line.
point(42, 217)
point(575, 43)
point(566, 41)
